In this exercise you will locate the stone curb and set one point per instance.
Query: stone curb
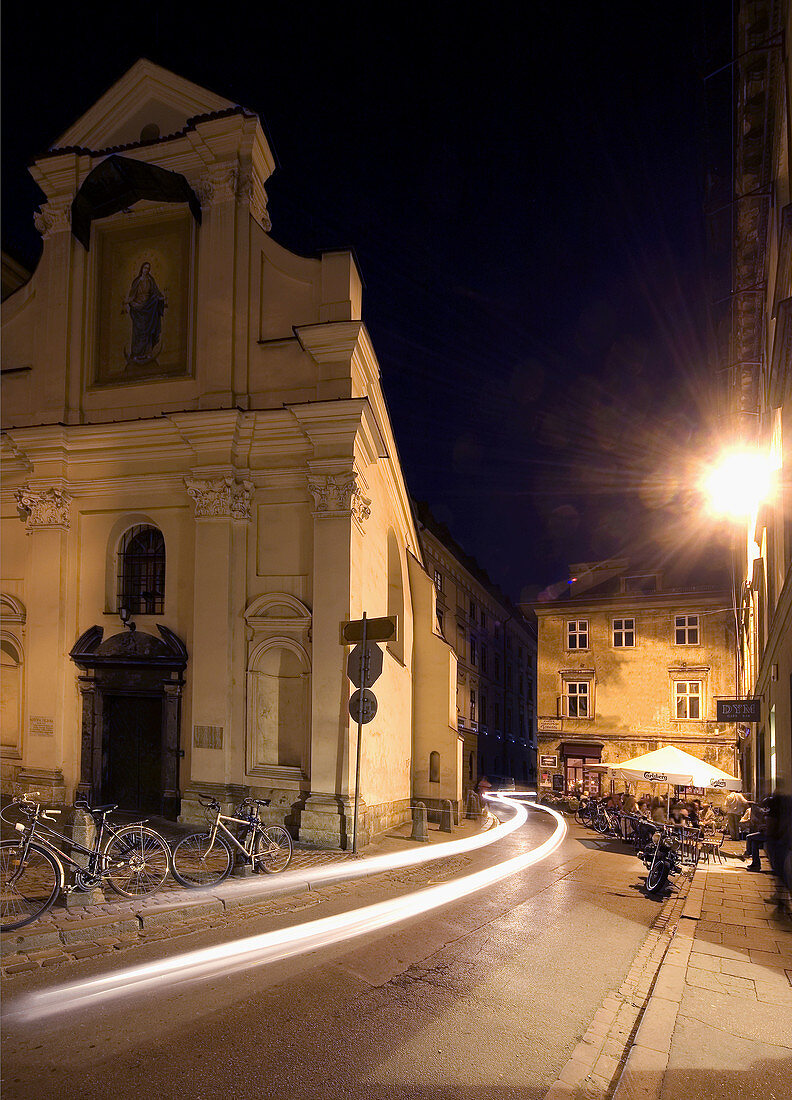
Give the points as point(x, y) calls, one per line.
point(598, 1061)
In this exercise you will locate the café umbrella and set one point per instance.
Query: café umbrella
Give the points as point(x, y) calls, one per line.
point(671, 765)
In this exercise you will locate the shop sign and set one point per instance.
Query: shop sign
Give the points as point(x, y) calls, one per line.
point(549, 725)
point(548, 761)
point(738, 710)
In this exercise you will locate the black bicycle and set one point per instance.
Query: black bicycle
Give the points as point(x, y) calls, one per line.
point(134, 859)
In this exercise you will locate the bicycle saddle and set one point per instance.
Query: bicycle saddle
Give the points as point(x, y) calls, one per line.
point(93, 810)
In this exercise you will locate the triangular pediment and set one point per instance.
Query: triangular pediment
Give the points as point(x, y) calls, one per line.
point(146, 96)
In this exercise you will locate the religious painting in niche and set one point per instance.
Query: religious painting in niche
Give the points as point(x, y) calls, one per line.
point(143, 285)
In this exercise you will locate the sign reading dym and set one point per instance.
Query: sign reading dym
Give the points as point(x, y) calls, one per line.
point(738, 710)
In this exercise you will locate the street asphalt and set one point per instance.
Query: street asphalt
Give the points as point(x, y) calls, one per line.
point(483, 999)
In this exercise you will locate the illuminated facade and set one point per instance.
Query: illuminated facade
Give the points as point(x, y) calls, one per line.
point(195, 439)
point(627, 664)
point(495, 647)
point(759, 375)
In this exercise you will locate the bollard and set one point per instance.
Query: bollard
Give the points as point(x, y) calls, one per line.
point(446, 817)
point(420, 830)
point(83, 831)
point(473, 806)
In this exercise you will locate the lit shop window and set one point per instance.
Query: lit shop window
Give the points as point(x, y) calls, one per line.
point(623, 633)
point(687, 629)
point(577, 634)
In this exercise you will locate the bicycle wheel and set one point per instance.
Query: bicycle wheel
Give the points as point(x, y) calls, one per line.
point(27, 890)
point(657, 877)
point(198, 862)
point(273, 849)
point(141, 858)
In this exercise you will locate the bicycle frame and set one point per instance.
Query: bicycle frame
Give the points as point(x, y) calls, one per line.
point(98, 862)
point(252, 826)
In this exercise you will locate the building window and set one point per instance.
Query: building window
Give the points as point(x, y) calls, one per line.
point(509, 677)
point(141, 571)
point(577, 634)
point(497, 669)
point(483, 709)
point(438, 580)
point(687, 629)
point(497, 716)
point(472, 705)
point(470, 766)
point(577, 699)
point(688, 698)
point(483, 621)
point(623, 633)
point(473, 610)
point(439, 614)
point(434, 767)
point(483, 664)
point(472, 651)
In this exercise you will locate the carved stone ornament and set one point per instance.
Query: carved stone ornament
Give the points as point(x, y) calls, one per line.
point(220, 497)
point(52, 218)
point(43, 509)
point(338, 495)
point(231, 181)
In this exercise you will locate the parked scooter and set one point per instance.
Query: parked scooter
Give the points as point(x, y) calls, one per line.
point(663, 857)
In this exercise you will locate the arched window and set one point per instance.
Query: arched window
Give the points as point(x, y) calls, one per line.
point(434, 767)
point(11, 701)
point(396, 594)
point(141, 571)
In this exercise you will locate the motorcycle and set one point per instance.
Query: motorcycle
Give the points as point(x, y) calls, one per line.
point(663, 858)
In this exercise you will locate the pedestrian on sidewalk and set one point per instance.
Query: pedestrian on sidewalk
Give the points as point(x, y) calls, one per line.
point(779, 845)
point(757, 828)
point(736, 805)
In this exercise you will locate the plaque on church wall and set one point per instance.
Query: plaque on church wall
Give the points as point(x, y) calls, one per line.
point(208, 737)
point(142, 301)
point(41, 726)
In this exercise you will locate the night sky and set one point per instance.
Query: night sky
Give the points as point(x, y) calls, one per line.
point(524, 188)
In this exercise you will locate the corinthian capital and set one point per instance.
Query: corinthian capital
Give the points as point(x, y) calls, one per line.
point(52, 217)
point(220, 497)
point(44, 508)
point(338, 495)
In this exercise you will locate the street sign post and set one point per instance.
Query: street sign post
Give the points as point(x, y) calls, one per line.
point(364, 666)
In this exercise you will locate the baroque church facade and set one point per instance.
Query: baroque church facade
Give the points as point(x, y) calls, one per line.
point(200, 486)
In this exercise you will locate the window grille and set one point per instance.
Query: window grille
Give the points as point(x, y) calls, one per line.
point(141, 571)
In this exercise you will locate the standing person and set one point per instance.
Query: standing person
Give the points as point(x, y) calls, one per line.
point(735, 807)
point(778, 844)
point(755, 839)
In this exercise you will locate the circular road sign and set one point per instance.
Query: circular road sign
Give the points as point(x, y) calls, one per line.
point(363, 706)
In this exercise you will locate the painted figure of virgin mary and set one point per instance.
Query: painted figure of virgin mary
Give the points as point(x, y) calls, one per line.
point(145, 304)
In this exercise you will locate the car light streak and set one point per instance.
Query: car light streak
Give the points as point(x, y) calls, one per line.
point(284, 943)
point(373, 865)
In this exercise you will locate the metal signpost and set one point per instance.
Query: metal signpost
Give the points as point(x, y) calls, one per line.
point(364, 666)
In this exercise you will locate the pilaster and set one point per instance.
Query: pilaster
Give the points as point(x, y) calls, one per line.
point(46, 512)
point(222, 514)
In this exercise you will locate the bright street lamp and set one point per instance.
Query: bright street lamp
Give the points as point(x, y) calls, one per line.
point(737, 483)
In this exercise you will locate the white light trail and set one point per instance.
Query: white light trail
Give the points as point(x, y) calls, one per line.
point(284, 943)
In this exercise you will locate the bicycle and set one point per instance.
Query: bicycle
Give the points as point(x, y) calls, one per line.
point(134, 860)
point(206, 859)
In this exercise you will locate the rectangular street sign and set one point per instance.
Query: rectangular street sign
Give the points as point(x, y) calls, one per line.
point(549, 725)
point(738, 710)
point(377, 630)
